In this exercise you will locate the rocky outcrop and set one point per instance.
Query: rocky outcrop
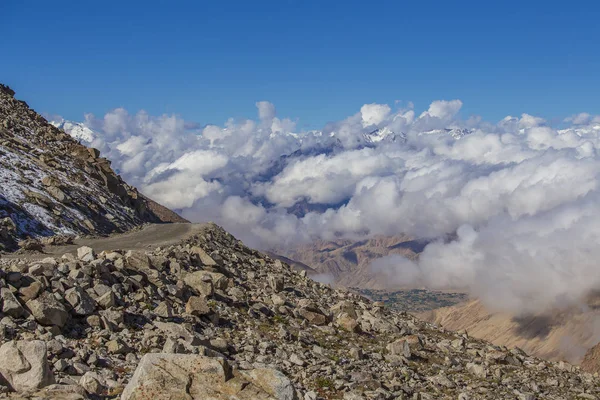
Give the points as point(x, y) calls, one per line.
point(211, 318)
point(50, 184)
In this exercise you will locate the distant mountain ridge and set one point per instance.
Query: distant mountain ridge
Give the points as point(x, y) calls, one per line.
point(348, 262)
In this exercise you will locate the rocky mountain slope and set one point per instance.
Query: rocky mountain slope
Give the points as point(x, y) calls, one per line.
point(211, 318)
point(562, 335)
point(50, 184)
point(348, 261)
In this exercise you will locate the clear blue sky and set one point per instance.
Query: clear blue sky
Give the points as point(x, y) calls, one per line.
point(318, 61)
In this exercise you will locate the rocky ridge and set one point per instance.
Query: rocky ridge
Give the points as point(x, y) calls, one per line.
point(211, 318)
point(50, 184)
point(348, 262)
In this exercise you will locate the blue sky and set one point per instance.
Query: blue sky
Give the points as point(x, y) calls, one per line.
point(317, 61)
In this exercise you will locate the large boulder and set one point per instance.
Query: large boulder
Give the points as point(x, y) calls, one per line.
point(177, 376)
point(82, 303)
point(204, 257)
point(199, 281)
point(47, 310)
point(23, 365)
point(86, 254)
point(196, 377)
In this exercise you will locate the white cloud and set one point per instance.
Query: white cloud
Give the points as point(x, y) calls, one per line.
point(266, 110)
point(519, 197)
point(443, 109)
point(580, 119)
point(374, 114)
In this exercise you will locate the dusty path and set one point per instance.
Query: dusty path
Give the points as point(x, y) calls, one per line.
point(149, 237)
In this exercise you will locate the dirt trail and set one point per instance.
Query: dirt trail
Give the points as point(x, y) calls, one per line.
point(149, 237)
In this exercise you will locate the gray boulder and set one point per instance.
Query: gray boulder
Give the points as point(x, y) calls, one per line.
point(24, 366)
point(82, 303)
point(196, 377)
point(47, 310)
point(10, 304)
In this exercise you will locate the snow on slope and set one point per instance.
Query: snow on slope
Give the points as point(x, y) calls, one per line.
point(50, 184)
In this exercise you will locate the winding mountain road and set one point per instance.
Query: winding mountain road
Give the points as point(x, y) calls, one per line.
point(149, 237)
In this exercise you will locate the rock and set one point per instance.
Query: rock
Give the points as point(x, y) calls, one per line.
point(177, 376)
point(196, 377)
point(297, 360)
point(138, 260)
point(477, 369)
point(94, 153)
point(31, 245)
point(276, 282)
point(47, 310)
point(314, 318)
point(347, 323)
point(204, 258)
point(10, 304)
point(399, 348)
point(197, 305)
point(107, 300)
point(91, 382)
point(30, 292)
point(344, 307)
point(164, 310)
point(24, 366)
point(61, 392)
point(82, 303)
point(201, 282)
point(310, 395)
point(58, 194)
point(273, 382)
point(117, 347)
point(86, 254)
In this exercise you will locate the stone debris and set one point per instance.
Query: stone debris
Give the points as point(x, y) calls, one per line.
point(209, 318)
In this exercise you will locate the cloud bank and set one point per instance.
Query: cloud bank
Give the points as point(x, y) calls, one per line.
point(512, 208)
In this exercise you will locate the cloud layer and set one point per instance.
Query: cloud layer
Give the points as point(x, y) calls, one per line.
point(511, 207)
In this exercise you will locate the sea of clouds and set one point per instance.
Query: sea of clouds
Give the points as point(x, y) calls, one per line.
point(512, 208)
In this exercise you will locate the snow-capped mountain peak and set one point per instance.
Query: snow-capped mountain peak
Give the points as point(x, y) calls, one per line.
point(384, 134)
point(456, 133)
point(76, 130)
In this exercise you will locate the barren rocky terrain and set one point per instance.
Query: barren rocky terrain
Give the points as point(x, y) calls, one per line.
point(210, 318)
